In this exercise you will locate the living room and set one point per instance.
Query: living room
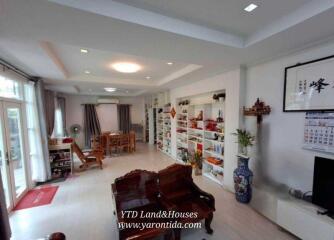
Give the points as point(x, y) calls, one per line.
point(221, 113)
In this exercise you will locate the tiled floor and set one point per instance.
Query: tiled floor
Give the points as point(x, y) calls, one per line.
point(82, 207)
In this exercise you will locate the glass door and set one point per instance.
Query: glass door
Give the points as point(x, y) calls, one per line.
point(16, 167)
point(4, 162)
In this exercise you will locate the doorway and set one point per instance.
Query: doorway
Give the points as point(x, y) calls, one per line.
point(12, 152)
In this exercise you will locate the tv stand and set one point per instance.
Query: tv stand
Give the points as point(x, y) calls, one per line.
point(305, 220)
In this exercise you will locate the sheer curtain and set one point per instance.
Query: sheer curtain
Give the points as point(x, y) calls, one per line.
point(39, 165)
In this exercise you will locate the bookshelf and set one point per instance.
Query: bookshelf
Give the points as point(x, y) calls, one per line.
point(201, 127)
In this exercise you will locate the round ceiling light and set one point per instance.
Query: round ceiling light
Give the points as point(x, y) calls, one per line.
point(126, 67)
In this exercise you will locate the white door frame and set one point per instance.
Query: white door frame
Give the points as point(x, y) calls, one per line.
point(4, 104)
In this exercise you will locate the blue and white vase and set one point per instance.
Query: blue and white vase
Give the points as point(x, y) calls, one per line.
point(243, 178)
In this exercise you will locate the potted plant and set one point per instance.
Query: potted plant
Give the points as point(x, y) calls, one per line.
point(196, 162)
point(242, 175)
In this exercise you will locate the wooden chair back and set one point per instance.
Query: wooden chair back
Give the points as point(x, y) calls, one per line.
point(174, 181)
point(124, 140)
point(114, 140)
point(135, 189)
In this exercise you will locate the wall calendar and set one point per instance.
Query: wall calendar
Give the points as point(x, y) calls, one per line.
point(319, 131)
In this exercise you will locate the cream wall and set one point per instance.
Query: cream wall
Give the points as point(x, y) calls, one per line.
point(278, 155)
point(107, 112)
point(233, 83)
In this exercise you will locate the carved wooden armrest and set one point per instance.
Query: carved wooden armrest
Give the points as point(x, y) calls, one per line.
point(204, 195)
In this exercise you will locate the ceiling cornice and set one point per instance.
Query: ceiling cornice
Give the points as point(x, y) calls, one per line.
point(150, 19)
point(49, 50)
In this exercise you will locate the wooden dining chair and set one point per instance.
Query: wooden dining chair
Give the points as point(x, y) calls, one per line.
point(124, 142)
point(103, 141)
point(93, 157)
point(132, 141)
point(113, 143)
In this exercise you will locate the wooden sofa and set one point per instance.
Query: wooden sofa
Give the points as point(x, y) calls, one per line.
point(170, 189)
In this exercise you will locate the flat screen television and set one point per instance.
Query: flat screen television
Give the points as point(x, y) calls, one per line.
point(323, 183)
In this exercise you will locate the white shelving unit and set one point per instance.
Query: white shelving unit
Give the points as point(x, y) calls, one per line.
point(159, 126)
point(181, 133)
point(164, 129)
point(201, 127)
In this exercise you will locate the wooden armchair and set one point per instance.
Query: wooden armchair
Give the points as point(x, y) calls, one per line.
point(177, 186)
point(94, 157)
point(138, 191)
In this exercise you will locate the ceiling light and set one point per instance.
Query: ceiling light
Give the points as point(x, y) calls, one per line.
point(148, 77)
point(83, 50)
point(251, 7)
point(87, 72)
point(126, 67)
point(109, 89)
point(170, 63)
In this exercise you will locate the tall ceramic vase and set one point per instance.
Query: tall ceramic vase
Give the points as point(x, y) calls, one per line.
point(243, 177)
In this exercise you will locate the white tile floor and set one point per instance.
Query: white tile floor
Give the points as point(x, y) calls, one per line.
point(82, 207)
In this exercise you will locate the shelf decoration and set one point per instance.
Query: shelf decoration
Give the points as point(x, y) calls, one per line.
point(219, 97)
point(173, 112)
point(259, 109)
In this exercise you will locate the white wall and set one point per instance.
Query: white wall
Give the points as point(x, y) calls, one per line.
point(233, 83)
point(279, 156)
point(107, 113)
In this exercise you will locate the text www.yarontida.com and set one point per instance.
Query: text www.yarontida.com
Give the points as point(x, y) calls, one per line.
point(148, 225)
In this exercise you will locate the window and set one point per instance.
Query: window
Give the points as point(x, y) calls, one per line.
point(9, 88)
point(58, 128)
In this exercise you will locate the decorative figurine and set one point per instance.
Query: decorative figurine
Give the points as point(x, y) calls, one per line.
point(259, 109)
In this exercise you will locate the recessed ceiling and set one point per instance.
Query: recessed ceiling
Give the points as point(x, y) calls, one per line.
point(44, 38)
point(222, 15)
point(98, 63)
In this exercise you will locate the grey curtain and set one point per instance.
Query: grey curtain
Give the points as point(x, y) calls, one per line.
point(5, 232)
point(91, 123)
point(49, 106)
point(39, 90)
point(62, 105)
point(124, 118)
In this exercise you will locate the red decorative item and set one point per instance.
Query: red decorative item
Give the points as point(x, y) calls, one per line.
point(173, 112)
point(67, 140)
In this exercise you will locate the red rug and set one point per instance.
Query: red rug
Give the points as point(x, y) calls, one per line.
point(37, 197)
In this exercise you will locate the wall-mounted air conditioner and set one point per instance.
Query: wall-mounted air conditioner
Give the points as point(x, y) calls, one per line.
point(107, 101)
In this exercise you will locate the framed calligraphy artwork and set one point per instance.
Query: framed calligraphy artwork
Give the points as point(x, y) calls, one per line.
point(309, 86)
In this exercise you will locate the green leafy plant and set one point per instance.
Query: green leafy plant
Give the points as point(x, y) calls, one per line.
point(196, 159)
point(245, 139)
